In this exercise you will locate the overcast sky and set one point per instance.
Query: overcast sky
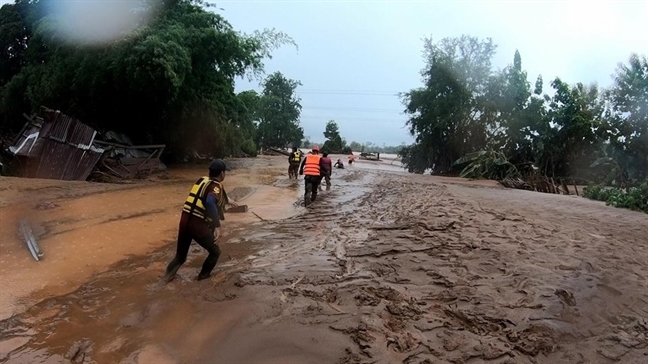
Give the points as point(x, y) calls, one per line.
point(372, 49)
point(354, 56)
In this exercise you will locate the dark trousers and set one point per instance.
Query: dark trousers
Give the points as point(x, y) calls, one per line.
point(194, 228)
point(312, 183)
point(293, 170)
point(327, 176)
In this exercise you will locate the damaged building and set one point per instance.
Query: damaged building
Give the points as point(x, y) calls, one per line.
point(53, 145)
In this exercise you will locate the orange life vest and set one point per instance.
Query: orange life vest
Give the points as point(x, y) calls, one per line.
point(312, 165)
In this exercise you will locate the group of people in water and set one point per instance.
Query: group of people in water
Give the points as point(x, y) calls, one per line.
point(315, 168)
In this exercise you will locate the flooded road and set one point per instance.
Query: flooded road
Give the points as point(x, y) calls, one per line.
point(383, 268)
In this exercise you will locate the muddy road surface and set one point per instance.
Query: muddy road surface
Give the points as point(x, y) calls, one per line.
point(383, 268)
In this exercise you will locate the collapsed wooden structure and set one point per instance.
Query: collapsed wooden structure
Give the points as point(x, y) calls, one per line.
point(53, 145)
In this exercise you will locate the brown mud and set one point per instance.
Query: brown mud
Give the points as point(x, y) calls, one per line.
point(383, 268)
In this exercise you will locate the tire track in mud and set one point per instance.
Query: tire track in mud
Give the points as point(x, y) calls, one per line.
point(412, 273)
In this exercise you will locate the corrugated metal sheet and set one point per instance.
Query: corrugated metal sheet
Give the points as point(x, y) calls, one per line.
point(27, 142)
point(59, 149)
point(60, 128)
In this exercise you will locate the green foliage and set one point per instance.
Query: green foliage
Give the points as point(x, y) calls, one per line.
point(334, 142)
point(249, 147)
point(448, 114)
point(486, 164)
point(374, 148)
point(634, 198)
point(170, 81)
point(278, 110)
point(464, 106)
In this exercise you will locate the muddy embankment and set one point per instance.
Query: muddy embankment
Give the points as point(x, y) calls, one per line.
point(384, 268)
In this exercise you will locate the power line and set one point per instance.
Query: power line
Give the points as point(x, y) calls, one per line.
point(352, 109)
point(348, 92)
point(350, 119)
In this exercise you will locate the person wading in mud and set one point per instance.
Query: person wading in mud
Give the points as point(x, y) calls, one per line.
point(200, 220)
point(294, 159)
point(312, 168)
point(351, 159)
point(339, 164)
point(327, 166)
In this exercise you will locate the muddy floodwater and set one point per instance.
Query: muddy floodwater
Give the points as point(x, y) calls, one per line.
point(385, 267)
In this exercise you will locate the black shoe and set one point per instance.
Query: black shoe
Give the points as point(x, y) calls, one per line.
point(202, 276)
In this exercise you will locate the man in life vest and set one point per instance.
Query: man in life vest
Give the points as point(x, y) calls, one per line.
point(294, 159)
point(312, 168)
point(202, 213)
point(327, 167)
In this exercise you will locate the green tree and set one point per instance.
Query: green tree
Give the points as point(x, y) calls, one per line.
point(248, 120)
point(515, 115)
point(449, 116)
point(627, 122)
point(171, 80)
point(279, 111)
point(334, 142)
point(569, 140)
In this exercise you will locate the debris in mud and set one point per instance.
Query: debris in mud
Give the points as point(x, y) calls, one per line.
point(533, 340)
point(219, 297)
point(479, 324)
point(483, 351)
point(29, 239)
point(404, 310)
point(129, 161)
point(350, 357)
point(403, 343)
point(56, 146)
point(43, 206)
point(80, 352)
point(371, 296)
point(360, 335)
point(566, 297)
point(237, 209)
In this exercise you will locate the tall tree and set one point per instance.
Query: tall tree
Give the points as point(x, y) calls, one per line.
point(568, 141)
point(628, 119)
point(171, 80)
point(279, 111)
point(517, 112)
point(449, 115)
point(334, 142)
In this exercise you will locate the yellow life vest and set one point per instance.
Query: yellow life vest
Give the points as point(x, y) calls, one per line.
point(297, 157)
point(195, 203)
point(312, 165)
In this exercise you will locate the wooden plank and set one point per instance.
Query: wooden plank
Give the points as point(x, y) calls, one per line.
point(152, 146)
point(237, 209)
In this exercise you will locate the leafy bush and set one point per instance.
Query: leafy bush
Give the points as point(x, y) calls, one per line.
point(634, 198)
point(487, 164)
point(249, 147)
